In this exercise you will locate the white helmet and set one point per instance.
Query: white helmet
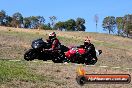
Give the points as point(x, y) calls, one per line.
point(52, 35)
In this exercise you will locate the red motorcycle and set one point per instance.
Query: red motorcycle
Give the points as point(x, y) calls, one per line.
point(80, 55)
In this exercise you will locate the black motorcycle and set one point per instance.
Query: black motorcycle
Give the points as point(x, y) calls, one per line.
point(40, 50)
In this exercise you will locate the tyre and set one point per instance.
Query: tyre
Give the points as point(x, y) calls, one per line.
point(66, 60)
point(87, 61)
point(81, 80)
point(93, 61)
point(58, 59)
point(30, 55)
point(90, 61)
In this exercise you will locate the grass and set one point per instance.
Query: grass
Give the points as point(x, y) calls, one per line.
point(16, 42)
point(71, 39)
point(65, 40)
point(23, 74)
point(19, 71)
point(22, 35)
point(16, 70)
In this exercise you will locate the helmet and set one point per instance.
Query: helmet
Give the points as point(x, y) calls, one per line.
point(87, 41)
point(52, 35)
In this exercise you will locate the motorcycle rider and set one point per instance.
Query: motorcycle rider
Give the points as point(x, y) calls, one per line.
point(53, 41)
point(89, 47)
point(55, 46)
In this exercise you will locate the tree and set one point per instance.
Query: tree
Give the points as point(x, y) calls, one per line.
point(41, 21)
point(127, 24)
point(45, 27)
point(119, 23)
point(70, 25)
point(109, 24)
point(80, 24)
point(8, 21)
point(2, 17)
point(2, 13)
point(27, 22)
point(34, 22)
point(53, 19)
point(17, 19)
point(48, 25)
point(128, 30)
point(60, 25)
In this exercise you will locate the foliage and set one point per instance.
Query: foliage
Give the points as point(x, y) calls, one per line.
point(17, 19)
point(52, 19)
point(60, 25)
point(70, 25)
point(109, 24)
point(38, 22)
point(2, 18)
point(26, 22)
point(119, 23)
point(45, 27)
point(124, 25)
point(80, 24)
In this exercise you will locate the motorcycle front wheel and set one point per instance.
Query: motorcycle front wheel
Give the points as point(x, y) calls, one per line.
point(93, 61)
point(90, 61)
point(31, 54)
point(58, 59)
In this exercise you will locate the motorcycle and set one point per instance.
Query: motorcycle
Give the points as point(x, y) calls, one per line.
point(40, 50)
point(80, 55)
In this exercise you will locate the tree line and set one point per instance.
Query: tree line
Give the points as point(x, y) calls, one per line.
point(121, 25)
point(38, 22)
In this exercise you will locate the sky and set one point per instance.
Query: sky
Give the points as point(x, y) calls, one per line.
point(69, 9)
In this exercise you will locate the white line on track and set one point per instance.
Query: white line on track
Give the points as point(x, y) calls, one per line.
point(34, 61)
point(77, 64)
point(115, 67)
point(103, 66)
point(90, 65)
point(48, 62)
point(14, 60)
point(128, 68)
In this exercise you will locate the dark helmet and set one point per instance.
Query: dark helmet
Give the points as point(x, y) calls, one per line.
point(52, 35)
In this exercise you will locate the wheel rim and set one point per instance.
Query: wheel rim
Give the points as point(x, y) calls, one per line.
point(30, 55)
point(93, 61)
